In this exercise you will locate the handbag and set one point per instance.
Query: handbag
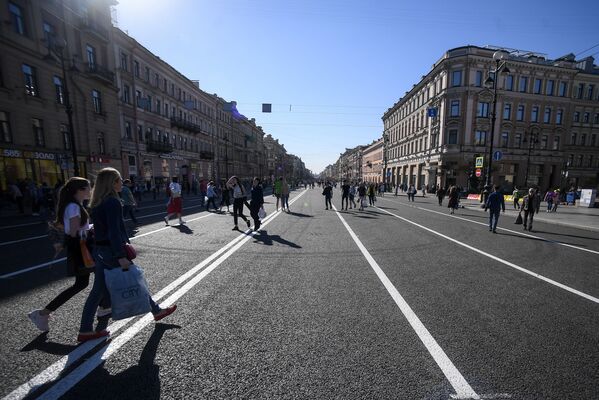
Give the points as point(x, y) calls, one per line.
point(261, 213)
point(129, 294)
point(519, 220)
point(130, 252)
point(88, 260)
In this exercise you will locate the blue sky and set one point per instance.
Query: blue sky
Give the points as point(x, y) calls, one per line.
point(332, 68)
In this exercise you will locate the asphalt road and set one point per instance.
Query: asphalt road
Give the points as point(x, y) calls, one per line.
point(400, 301)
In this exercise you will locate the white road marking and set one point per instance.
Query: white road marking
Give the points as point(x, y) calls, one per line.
point(455, 378)
point(500, 228)
point(53, 371)
point(505, 262)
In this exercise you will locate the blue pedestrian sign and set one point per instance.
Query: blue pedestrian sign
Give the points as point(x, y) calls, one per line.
point(432, 112)
point(497, 155)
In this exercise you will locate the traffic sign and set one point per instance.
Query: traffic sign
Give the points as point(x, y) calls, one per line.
point(388, 173)
point(497, 155)
point(479, 162)
point(478, 172)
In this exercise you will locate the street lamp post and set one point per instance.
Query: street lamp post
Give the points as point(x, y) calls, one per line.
point(385, 139)
point(500, 64)
point(534, 138)
point(58, 50)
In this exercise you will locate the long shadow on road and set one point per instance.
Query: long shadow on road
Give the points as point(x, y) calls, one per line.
point(268, 240)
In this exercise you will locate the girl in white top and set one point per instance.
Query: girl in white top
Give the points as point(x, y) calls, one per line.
point(75, 219)
point(239, 197)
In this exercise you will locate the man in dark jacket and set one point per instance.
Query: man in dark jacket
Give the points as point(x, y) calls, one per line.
point(530, 205)
point(494, 204)
point(257, 202)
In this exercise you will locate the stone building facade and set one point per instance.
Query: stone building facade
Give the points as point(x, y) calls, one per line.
point(372, 162)
point(547, 122)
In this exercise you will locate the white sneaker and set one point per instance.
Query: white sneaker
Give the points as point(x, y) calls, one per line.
point(181, 222)
point(40, 321)
point(166, 220)
point(102, 312)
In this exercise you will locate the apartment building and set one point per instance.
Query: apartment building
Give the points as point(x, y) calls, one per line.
point(350, 164)
point(372, 162)
point(54, 54)
point(547, 121)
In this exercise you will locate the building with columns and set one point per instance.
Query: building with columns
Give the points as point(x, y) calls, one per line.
point(546, 128)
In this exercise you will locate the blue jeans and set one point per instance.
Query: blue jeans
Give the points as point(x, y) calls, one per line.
point(285, 201)
point(104, 260)
point(493, 219)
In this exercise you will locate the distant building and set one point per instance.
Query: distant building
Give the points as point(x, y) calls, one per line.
point(372, 162)
point(546, 108)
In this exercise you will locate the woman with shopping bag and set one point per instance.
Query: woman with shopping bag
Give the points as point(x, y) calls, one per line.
point(110, 251)
point(256, 203)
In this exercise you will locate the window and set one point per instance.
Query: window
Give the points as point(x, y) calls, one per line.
point(66, 138)
point(455, 108)
point(156, 80)
point(549, 88)
point(507, 111)
point(124, 61)
point(166, 110)
point(179, 93)
point(101, 143)
point(537, 86)
point(126, 94)
point(149, 103)
point(38, 132)
point(583, 139)
point(596, 118)
point(505, 138)
point(16, 18)
point(136, 68)
point(138, 98)
point(478, 78)
point(509, 82)
point(49, 34)
point(590, 160)
point(480, 138)
point(590, 92)
point(544, 141)
point(534, 114)
point(563, 86)
point(158, 106)
point(91, 57)
point(579, 161)
point(149, 132)
point(482, 110)
point(573, 139)
point(452, 138)
point(580, 90)
point(518, 140)
point(140, 133)
point(456, 78)
point(555, 143)
point(576, 116)
point(585, 117)
point(594, 140)
point(31, 88)
point(523, 84)
point(520, 113)
point(59, 89)
point(128, 133)
point(547, 115)
point(559, 116)
point(5, 128)
point(97, 101)
point(147, 75)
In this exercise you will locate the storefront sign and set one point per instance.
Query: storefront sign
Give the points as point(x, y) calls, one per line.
point(37, 155)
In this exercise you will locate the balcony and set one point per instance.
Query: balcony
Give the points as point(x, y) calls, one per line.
point(186, 125)
point(100, 72)
point(206, 155)
point(159, 147)
point(90, 25)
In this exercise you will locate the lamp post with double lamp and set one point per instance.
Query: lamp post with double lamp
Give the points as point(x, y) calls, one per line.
point(57, 50)
point(533, 138)
point(500, 65)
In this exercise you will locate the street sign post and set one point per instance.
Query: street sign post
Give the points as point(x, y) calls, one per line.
point(479, 162)
point(478, 172)
point(497, 155)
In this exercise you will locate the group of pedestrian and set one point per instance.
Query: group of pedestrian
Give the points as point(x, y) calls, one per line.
point(106, 237)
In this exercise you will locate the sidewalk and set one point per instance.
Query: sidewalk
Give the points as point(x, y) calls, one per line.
point(570, 216)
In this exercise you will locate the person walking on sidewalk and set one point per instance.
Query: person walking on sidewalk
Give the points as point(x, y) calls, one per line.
point(371, 194)
point(440, 195)
point(257, 202)
point(344, 195)
point(556, 200)
point(74, 219)
point(128, 200)
point(239, 197)
point(284, 195)
point(352, 196)
point(411, 193)
point(362, 195)
point(531, 204)
point(549, 198)
point(454, 199)
point(516, 198)
point(494, 204)
point(327, 192)
point(109, 252)
point(226, 197)
point(175, 204)
point(276, 190)
point(211, 194)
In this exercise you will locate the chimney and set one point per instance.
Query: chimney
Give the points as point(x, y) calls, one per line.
point(197, 83)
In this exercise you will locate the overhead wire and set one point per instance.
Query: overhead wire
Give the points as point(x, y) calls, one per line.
point(584, 51)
